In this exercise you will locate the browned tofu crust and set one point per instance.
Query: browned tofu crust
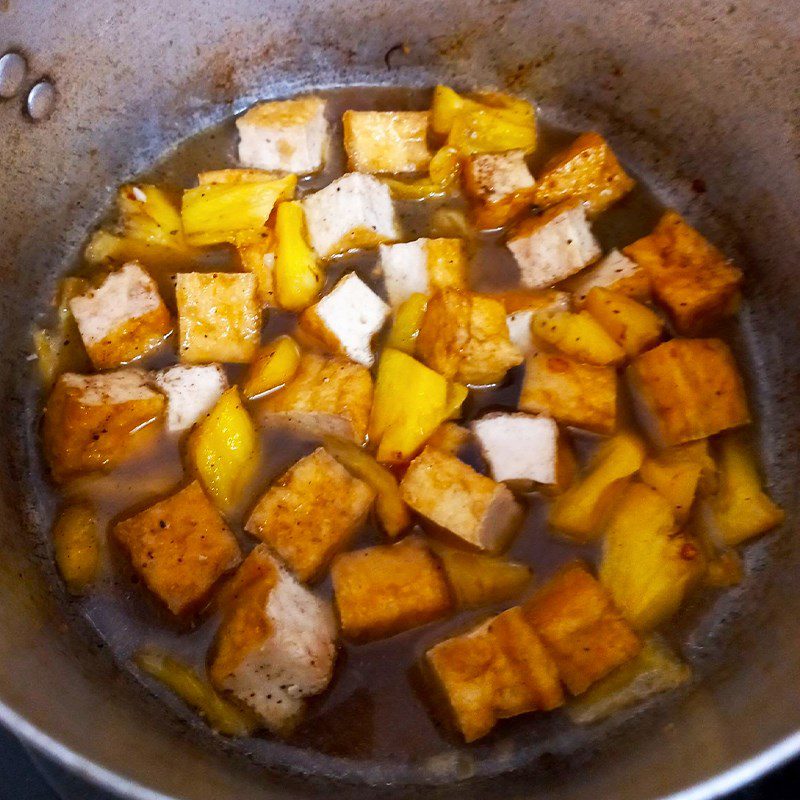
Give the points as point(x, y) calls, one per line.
point(180, 547)
point(495, 203)
point(582, 631)
point(134, 338)
point(326, 395)
point(583, 395)
point(464, 336)
point(693, 280)
point(588, 171)
point(310, 513)
point(499, 670)
point(688, 389)
point(81, 437)
point(387, 589)
point(386, 141)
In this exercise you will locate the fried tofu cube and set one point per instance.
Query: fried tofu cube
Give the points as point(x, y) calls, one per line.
point(450, 437)
point(179, 547)
point(327, 395)
point(500, 186)
point(588, 171)
point(518, 448)
point(633, 326)
point(583, 395)
point(581, 629)
point(422, 267)
point(95, 422)
point(219, 317)
point(284, 136)
point(191, 391)
point(386, 141)
point(276, 644)
point(577, 335)
point(498, 670)
point(311, 513)
point(554, 245)
point(615, 272)
point(123, 318)
point(522, 304)
point(464, 336)
point(693, 280)
point(648, 566)
point(259, 258)
point(383, 590)
point(347, 319)
point(452, 495)
point(688, 389)
point(353, 212)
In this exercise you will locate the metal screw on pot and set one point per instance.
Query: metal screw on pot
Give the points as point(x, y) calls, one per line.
point(41, 101)
point(13, 68)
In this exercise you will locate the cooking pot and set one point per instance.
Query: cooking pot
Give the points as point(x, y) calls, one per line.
point(700, 98)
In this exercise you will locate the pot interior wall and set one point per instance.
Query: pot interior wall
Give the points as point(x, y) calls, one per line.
point(692, 95)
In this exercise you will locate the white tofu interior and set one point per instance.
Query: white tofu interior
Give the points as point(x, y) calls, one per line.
point(353, 202)
point(501, 174)
point(110, 388)
point(294, 661)
point(353, 313)
point(125, 295)
point(556, 250)
point(284, 136)
point(614, 267)
point(192, 391)
point(519, 329)
point(519, 447)
point(405, 269)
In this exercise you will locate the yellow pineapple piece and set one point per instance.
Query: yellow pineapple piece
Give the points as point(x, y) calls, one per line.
point(76, 546)
point(633, 326)
point(579, 336)
point(274, 366)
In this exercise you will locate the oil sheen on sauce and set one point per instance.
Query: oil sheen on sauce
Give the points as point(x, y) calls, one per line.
point(374, 708)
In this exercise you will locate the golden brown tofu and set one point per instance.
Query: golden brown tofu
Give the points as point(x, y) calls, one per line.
point(219, 317)
point(387, 589)
point(464, 336)
point(614, 272)
point(500, 186)
point(450, 437)
point(310, 513)
point(327, 395)
point(582, 631)
point(180, 547)
point(455, 497)
point(588, 171)
point(95, 422)
point(694, 281)
point(386, 141)
point(688, 389)
point(583, 395)
point(498, 670)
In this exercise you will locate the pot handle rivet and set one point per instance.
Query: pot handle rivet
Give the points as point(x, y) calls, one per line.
point(41, 100)
point(13, 69)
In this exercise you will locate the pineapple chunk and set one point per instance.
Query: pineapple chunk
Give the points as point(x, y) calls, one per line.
point(441, 180)
point(383, 590)
point(579, 513)
point(223, 449)
point(476, 579)
point(234, 213)
point(740, 509)
point(411, 401)
point(614, 272)
point(76, 546)
point(464, 336)
point(218, 317)
point(497, 670)
point(580, 628)
point(500, 186)
point(386, 141)
point(390, 507)
point(325, 396)
point(675, 480)
point(696, 283)
point(407, 322)
point(655, 670)
point(215, 176)
point(579, 336)
point(576, 394)
point(478, 511)
point(522, 305)
point(631, 325)
point(95, 422)
point(647, 565)
point(298, 277)
point(587, 171)
point(149, 214)
point(688, 389)
point(274, 366)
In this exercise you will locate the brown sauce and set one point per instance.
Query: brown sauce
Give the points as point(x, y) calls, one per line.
point(372, 709)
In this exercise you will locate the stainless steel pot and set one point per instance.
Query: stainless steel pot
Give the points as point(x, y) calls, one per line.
point(694, 95)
